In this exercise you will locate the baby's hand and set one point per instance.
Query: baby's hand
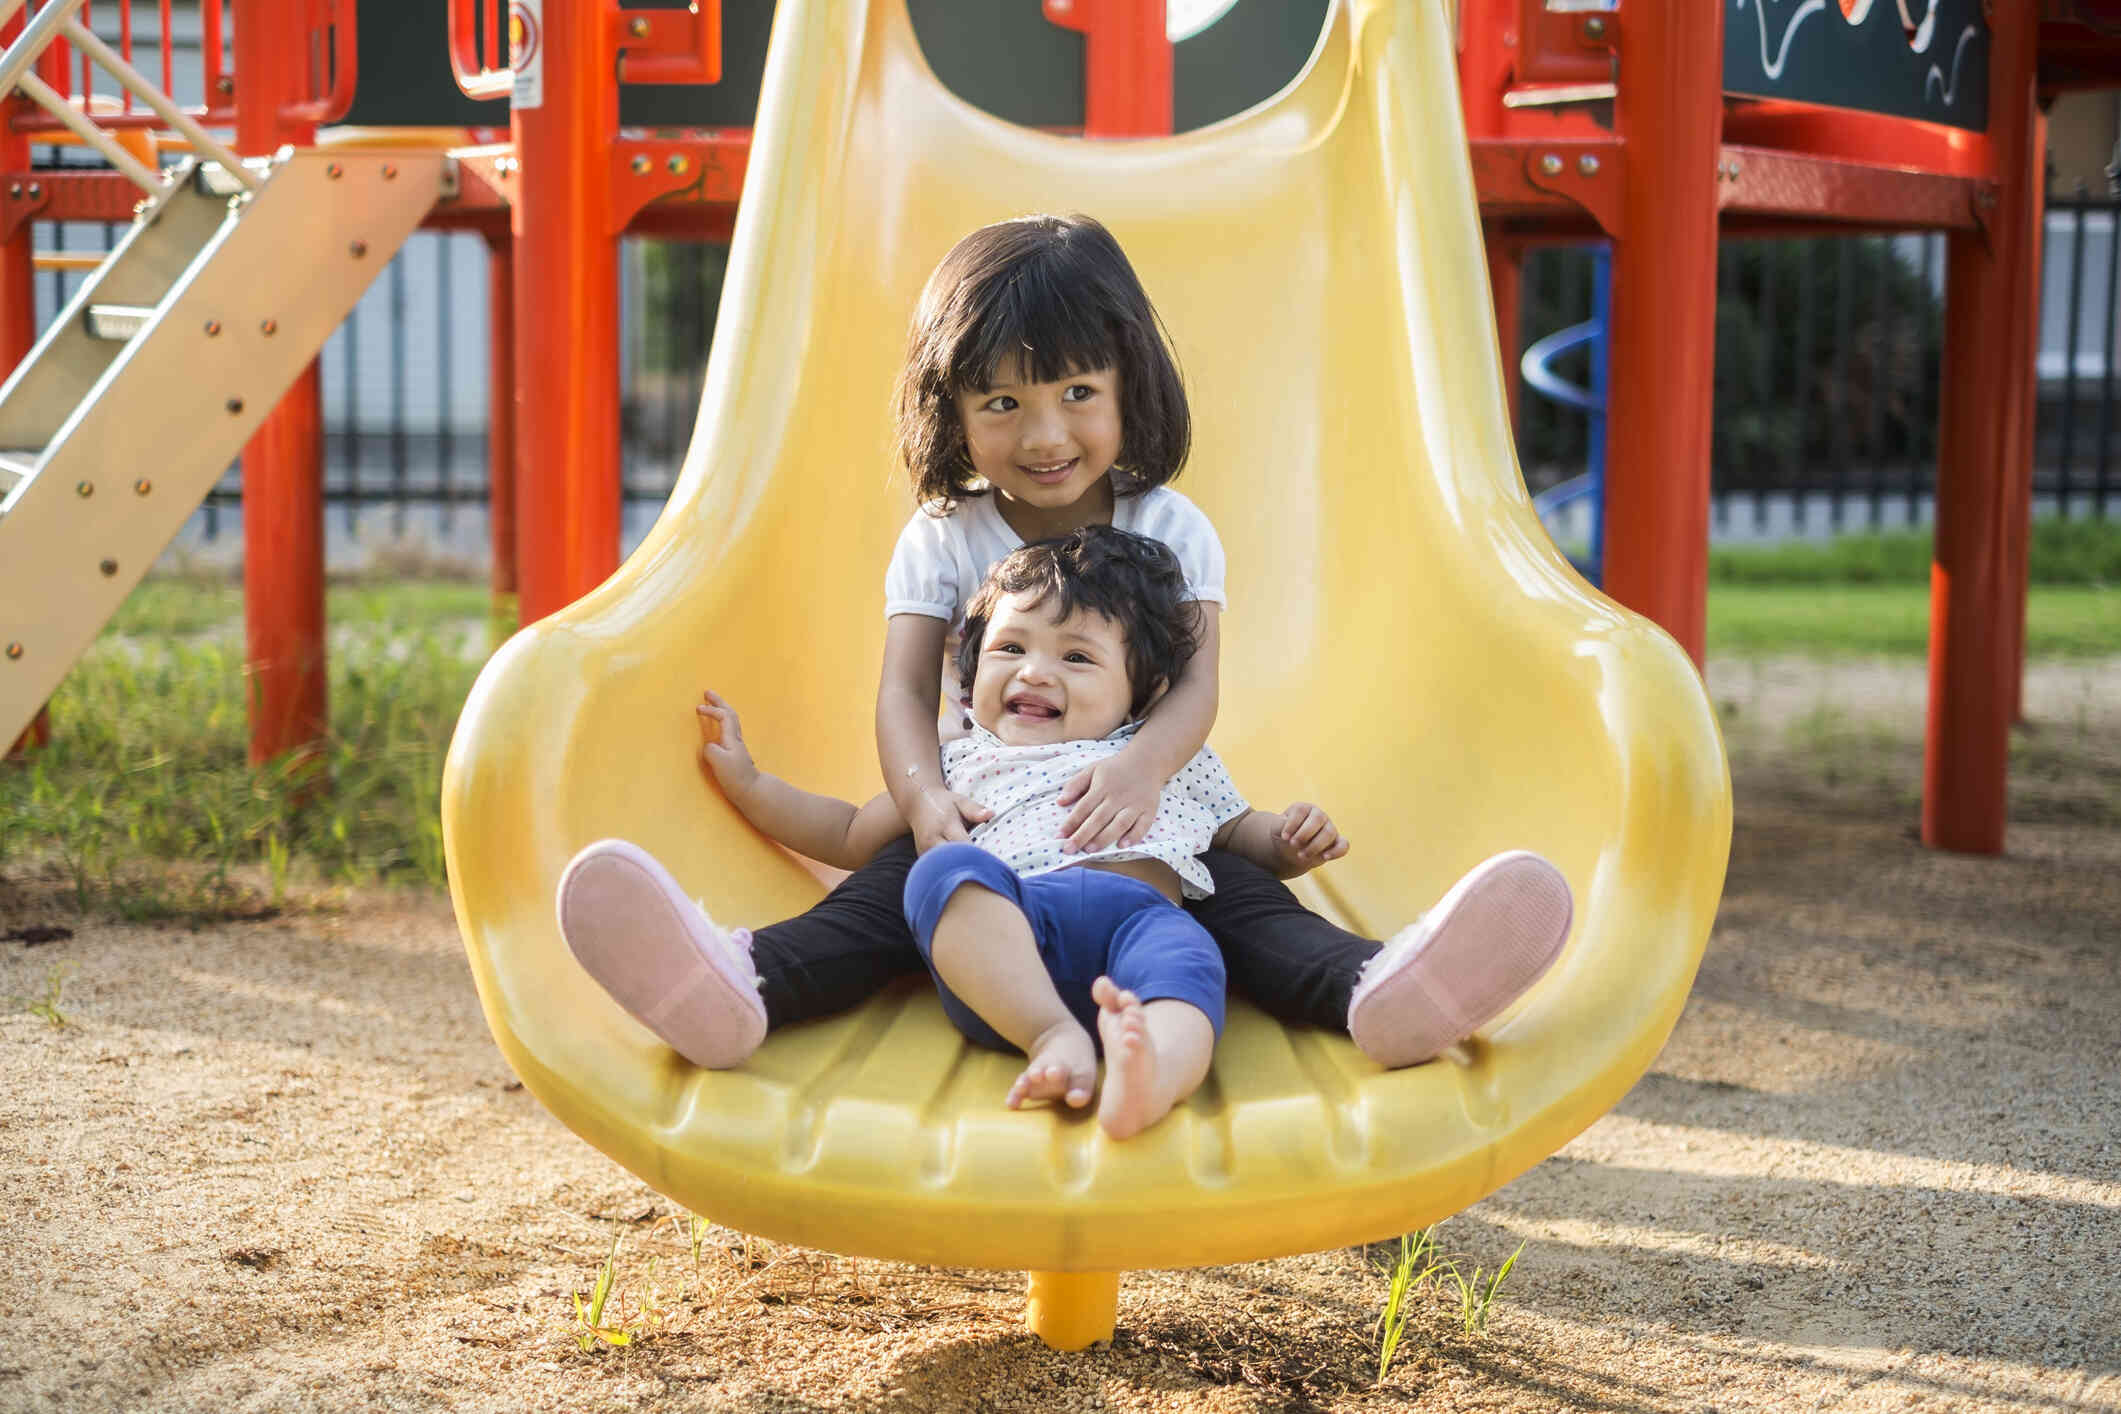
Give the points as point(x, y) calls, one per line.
point(944, 815)
point(723, 754)
point(1307, 838)
point(1115, 804)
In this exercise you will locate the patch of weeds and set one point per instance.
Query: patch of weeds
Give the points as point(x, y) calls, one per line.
point(1422, 1263)
point(602, 1320)
point(47, 1007)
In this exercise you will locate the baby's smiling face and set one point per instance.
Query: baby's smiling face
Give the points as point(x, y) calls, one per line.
point(1042, 678)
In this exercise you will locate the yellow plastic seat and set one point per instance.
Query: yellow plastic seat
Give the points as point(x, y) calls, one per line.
point(1403, 645)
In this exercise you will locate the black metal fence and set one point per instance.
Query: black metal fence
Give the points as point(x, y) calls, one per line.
point(1827, 359)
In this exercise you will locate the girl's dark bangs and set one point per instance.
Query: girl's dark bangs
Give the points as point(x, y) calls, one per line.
point(1056, 333)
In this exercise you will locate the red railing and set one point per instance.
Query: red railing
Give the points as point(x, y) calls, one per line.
point(166, 58)
point(654, 46)
point(480, 47)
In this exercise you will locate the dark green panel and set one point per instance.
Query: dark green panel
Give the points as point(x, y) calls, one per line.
point(1244, 58)
point(1003, 57)
point(403, 56)
point(1806, 50)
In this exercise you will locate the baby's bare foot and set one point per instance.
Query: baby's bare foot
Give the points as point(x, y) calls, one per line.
point(1063, 1066)
point(1130, 1103)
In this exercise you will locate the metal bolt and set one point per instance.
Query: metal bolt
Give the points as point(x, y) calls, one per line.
point(1594, 27)
point(36, 189)
point(213, 328)
point(358, 248)
point(14, 650)
point(638, 27)
point(677, 164)
point(1551, 164)
point(235, 405)
point(390, 171)
point(640, 165)
point(1588, 164)
point(225, 84)
point(14, 188)
point(334, 171)
point(268, 327)
point(109, 568)
point(1736, 168)
point(143, 486)
point(84, 489)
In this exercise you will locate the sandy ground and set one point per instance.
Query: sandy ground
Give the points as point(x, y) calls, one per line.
point(279, 1166)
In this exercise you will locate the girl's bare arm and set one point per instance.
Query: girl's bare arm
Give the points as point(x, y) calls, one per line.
point(907, 698)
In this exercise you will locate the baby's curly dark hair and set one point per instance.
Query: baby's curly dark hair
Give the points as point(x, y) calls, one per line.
point(1057, 293)
point(1130, 579)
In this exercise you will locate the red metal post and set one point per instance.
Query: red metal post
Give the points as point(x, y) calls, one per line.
point(283, 464)
point(18, 314)
point(1126, 64)
point(501, 423)
point(566, 311)
point(1506, 281)
point(2024, 404)
point(1988, 297)
point(1664, 316)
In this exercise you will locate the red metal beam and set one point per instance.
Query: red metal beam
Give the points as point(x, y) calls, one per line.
point(1989, 299)
point(1126, 64)
point(1663, 338)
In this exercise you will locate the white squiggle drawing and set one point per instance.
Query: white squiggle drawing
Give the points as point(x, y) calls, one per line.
point(1919, 35)
point(1949, 90)
point(1773, 67)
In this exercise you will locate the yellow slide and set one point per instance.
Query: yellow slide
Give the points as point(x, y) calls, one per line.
point(1403, 645)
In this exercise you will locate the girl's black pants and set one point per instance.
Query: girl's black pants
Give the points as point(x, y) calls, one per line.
point(1285, 959)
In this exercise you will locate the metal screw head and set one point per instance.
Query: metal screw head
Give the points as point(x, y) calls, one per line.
point(14, 188)
point(1588, 164)
point(84, 489)
point(390, 171)
point(1551, 164)
point(640, 165)
point(14, 650)
point(234, 405)
point(225, 84)
point(1595, 27)
point(213, 328)
point(268, 327)
point(638, 27)
point(36, 189)
point(143, 486)
point(358, 249)
point(677, 164)
point(334, 171)
point(109, 568)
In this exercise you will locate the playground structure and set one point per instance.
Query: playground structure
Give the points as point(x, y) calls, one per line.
point(814, 1142)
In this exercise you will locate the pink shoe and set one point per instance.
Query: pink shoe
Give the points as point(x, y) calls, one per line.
point(1455, 968)
point(660, 956)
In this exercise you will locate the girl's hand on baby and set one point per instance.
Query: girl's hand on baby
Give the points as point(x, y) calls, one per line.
point(1308, 838)
point(723, 754)
point(1115, 804)
point(940, 816)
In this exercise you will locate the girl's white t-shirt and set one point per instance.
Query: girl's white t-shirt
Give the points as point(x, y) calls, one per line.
point(941, 560)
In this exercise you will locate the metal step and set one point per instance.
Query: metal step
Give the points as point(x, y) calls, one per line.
point(115, 323)
point(16, 468)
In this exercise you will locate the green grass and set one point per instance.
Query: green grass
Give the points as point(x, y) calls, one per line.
point(2083, 553)
point(149, 761)
point(1751, 620)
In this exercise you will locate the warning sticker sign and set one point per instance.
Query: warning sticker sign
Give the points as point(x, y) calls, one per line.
point(526, 52)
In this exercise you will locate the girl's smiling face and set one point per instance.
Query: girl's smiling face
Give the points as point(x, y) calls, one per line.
point(1042, 679)
point(1046, 445)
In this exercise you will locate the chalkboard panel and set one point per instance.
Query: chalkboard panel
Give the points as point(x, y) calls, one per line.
point(1923, 59)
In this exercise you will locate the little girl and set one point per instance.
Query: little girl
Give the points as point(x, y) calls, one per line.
point(1038, 397)
point(1066, 645)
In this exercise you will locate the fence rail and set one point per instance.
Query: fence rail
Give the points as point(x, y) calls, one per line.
point(1828, 352)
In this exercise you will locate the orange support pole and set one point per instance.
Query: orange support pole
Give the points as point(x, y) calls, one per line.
point(2024, 412)
point(1506, 281)
point(501, 424)
point(18, 317)
point(1669, 112)
point(566, 313)
point(283, 463)
point(1126, 64)
point(1989, 296)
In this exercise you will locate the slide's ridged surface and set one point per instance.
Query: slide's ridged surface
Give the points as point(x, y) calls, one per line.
point(1403, 645)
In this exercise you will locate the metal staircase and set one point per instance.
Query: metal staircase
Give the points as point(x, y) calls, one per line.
point(144, 390)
